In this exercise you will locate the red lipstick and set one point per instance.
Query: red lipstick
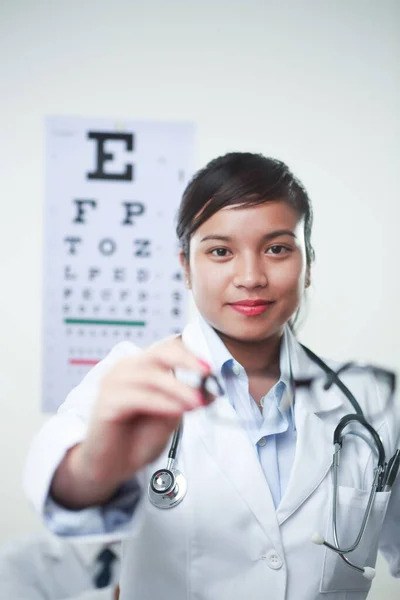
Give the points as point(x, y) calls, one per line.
point(251, 308)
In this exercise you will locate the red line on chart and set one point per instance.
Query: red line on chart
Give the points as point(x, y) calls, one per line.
point(83, 361)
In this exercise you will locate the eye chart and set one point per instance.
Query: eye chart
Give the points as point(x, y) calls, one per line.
point(111, 255)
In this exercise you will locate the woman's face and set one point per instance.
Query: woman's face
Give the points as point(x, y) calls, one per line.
point(247, 269)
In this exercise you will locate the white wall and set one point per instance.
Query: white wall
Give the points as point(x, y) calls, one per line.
point(314, 83)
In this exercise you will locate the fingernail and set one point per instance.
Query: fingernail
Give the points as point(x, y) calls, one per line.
point(204, 364)
point(201, 399)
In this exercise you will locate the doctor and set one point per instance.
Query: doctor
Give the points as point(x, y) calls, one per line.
point(258, 460)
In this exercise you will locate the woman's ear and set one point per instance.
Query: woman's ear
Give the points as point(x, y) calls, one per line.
point(307, 281)
point(185, 267)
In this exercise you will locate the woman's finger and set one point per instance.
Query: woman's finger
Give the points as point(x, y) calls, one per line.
point(164, 382)
point(172, 354)
point(125, 405)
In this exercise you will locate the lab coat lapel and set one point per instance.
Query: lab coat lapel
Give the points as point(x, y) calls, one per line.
point(315, 425)
point(229, 445)
point(312, 462)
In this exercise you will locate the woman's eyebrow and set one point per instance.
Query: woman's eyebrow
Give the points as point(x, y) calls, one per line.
point(267, 237)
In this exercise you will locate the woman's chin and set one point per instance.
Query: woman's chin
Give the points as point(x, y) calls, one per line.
point(251, 335)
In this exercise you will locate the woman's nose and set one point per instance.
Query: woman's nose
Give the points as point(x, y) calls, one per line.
point(250, 273)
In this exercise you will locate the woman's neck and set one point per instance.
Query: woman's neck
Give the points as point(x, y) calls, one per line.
point(256, 357)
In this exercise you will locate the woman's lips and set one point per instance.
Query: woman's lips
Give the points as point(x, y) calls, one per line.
point(251, 309)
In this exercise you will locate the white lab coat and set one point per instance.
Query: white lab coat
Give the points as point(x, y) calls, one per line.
point(226, 541)
point(45, 567)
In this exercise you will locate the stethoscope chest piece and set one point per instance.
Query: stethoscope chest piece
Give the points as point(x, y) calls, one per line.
point(167, 488)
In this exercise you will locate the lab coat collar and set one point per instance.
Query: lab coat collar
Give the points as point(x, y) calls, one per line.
point(312, 461)
point(317, 412)
point(230, 446)
point(236, 456)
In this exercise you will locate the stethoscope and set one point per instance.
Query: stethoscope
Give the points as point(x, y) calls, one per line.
point(168, 487)
point(384, 473)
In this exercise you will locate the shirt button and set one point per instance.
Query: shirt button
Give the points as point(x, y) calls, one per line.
point(274, 561)
point(262, 441)
point(236, 369)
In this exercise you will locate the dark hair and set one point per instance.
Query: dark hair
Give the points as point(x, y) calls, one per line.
point(240, 178)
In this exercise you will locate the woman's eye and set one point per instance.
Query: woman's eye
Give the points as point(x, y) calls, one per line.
point(220, 252)
point(277, 249)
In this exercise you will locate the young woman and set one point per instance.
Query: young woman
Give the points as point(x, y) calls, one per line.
point(258, 459)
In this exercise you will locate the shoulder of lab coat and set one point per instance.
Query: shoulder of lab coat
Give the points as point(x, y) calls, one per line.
point(42, 566)
point(60, 433)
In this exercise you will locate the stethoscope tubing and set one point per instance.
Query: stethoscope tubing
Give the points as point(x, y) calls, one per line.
point(334, 378)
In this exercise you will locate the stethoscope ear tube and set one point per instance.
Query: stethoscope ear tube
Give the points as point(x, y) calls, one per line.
point(334, 378)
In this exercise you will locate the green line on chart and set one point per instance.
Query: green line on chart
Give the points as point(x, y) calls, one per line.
point(104, 322)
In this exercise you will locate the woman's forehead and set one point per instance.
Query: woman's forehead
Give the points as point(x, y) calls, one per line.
point(269, 215)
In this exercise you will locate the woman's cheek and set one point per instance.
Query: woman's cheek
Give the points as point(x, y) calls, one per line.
point(213, 275)
point(205, 284)
point(287, 275)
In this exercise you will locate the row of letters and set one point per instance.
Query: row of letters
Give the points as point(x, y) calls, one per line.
point(108, 246)
point(115, 274)
point(107, 294)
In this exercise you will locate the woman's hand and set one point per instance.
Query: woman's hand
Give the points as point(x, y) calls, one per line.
point(139, 405)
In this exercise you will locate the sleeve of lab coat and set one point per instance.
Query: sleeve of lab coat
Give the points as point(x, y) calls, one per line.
point(14, 586)
point(32, 568)
point(62, 431)
point(17, 581)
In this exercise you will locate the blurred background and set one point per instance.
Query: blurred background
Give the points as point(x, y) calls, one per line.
point(316, 84)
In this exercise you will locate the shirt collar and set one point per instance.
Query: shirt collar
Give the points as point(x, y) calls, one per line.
point(218, 350)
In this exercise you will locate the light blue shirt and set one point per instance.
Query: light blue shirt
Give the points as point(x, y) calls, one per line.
point(272, 431)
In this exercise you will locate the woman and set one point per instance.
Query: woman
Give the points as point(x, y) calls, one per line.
point(256, 490)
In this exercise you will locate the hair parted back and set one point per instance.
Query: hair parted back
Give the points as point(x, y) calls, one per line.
point(243, 179)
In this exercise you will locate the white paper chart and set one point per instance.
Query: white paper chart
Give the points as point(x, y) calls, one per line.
point(111, 255)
